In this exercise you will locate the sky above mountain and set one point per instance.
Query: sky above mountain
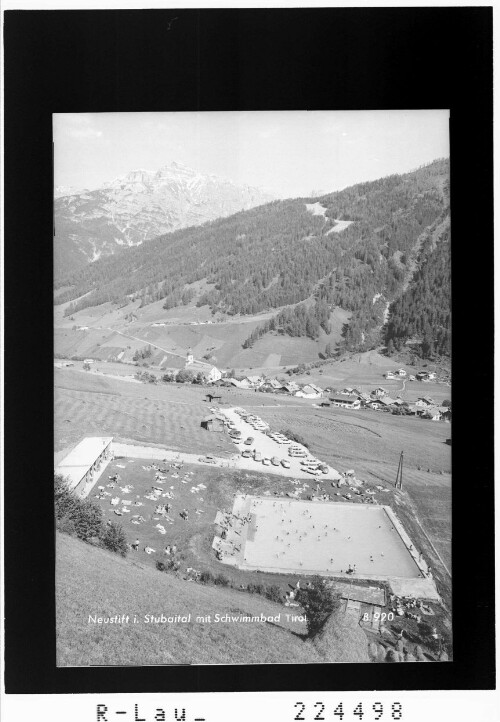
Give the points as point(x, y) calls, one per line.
point(287, 153)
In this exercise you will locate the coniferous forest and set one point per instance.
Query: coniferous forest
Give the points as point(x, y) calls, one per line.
point(280, 255)
point(423, 311)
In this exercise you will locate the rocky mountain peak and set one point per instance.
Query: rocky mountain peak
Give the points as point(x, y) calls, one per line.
point(141, 205)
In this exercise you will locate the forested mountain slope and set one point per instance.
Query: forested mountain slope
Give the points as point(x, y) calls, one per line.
point(423, 311)
point(287, 252)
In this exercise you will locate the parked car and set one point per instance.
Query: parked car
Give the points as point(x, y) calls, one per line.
point(266, 461)
point(285, 463)
point(246, 453)
point(257, 456)
point(275, 461)
point(207, 459)
point(249, 441)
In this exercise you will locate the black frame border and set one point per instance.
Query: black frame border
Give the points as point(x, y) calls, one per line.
point(270, 59)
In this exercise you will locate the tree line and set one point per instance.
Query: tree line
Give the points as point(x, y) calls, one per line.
point(282, 255)
point(423, 311)
point(299, 320)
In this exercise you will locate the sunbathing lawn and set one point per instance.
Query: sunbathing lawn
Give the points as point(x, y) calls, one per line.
point(180, 489)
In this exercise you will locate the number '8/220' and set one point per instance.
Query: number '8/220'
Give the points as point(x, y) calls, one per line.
point(375, 712)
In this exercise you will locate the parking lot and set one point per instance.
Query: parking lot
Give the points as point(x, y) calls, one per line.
point(269, 448)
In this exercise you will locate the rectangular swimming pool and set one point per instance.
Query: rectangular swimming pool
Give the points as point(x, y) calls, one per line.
point(322, 538)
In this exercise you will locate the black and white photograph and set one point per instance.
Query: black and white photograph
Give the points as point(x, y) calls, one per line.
point(252, 385)
point(232, 311)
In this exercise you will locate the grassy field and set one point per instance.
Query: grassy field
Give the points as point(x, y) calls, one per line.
point(106, 314)
point(86, 405)
point(273, 351)
point(366, 438)
point(169, 414)
point(91, 581)
point(217, 494)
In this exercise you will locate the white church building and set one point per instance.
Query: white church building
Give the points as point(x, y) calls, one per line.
point(211, 373)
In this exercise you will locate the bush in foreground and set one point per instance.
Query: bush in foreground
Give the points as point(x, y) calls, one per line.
point(170, 565)
point(318, 602)
point(66, 526)
point(84, 519)
point(206, 577)
point(113, 538)
point(273, 593)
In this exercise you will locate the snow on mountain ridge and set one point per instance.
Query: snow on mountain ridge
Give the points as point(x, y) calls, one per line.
point(141, 205)
point(62, 191)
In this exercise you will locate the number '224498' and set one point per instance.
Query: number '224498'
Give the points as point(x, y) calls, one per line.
point(374, 712)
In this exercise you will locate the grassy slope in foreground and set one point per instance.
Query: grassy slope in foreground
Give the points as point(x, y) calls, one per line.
point(94, 581)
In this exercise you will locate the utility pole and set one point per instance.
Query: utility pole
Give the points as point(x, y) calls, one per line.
point(399, 475)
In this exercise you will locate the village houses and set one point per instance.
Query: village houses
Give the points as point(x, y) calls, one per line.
point(425, 376)
point(346, 402)
point(425, 401)
point(255, 381)
point(400, 373)
point(310, 391)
